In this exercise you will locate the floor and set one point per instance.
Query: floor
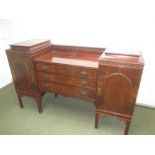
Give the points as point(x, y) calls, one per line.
point(65, 116)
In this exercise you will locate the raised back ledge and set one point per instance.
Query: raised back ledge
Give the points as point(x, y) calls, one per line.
point(122, 58)
point(78, 48)
point(30, 46)
point(122, 55)
point(123, 51)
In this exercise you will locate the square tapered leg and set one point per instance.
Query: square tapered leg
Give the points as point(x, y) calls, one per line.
point(127, 127)
point(20, 100)
point(96, 120)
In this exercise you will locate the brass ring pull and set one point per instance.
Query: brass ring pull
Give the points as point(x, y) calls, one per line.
point(83, 92)
point(45, 67)
point(47, 85)
point(84, 73)
point(84, 82)
point(46, 76)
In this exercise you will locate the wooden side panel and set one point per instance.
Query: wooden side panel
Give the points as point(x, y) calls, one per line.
point(23, 75)
point(117, 89)
point(116, 93)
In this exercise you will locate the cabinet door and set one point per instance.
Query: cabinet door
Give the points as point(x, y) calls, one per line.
point(22, 69)
point(117, 89)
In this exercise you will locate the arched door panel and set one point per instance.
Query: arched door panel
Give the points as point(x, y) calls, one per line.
point(115, 94)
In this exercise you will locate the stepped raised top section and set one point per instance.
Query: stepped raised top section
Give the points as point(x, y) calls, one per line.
point(30, 45)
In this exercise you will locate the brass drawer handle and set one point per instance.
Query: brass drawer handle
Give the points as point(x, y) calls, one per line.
point(84, 73)
point(84, 82)
point(83, 92)
point(44, 67)
point(46, 76)
point(47, 85)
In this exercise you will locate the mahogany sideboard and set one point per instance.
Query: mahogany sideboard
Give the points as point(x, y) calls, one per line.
point(108, 78)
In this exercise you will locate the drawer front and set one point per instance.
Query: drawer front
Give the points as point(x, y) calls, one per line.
point(68, 90)
point(65, 79)
point(69, 70)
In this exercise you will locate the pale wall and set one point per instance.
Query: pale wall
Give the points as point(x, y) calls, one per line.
point(125, 25)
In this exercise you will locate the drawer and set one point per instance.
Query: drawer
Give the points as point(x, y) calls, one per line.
point(69, 80)
point(66, 69)
point(68, 90)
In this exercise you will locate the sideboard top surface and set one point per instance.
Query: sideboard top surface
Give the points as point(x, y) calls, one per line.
point(70, 57)
point(46, 52)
